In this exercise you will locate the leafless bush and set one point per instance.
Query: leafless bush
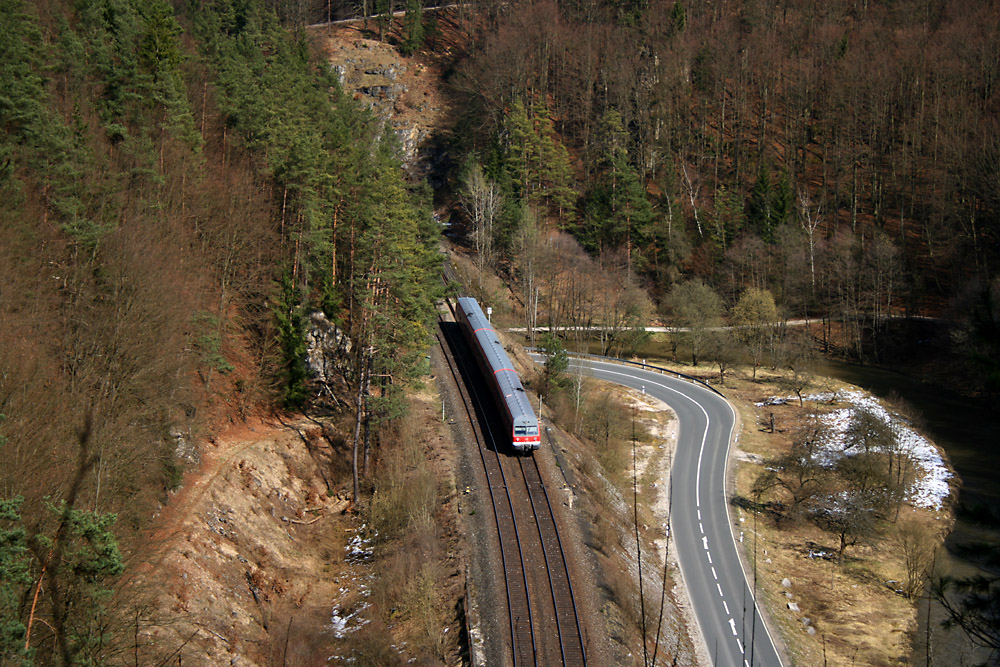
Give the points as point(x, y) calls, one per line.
point(400, 566)
point(915, 543)
point(423, 608)
point(372, 647)
point(625, 594)
point(606, 424)
point(403, 498)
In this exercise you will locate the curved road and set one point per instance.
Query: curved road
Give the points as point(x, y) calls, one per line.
point(704, 542)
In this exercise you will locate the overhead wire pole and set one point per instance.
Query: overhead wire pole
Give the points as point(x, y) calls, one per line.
point(638, 545)
point(753, 611)
point(666, 558)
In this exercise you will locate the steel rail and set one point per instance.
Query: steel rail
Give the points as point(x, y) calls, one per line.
point(518, 601)
point(567, 617)
point(519, 644)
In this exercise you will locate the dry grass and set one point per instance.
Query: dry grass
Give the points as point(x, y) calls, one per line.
point(411, 530)
point(484, 286)
point(858, 619)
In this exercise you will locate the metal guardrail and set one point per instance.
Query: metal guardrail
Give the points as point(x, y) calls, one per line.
point(640, 364)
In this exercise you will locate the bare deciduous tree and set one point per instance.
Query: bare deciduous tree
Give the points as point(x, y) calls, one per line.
point(695, 307)
point(481, 201)
point(796, 355)
point(799, 473)
point(915, 543)
point(810, 219)
point(755, 317)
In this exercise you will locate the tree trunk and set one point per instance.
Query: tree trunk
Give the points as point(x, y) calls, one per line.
point(368, 432)
point(357, 429)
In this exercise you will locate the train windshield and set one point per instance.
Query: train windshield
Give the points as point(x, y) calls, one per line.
point(525, 430)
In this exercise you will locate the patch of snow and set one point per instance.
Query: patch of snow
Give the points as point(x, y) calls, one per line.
point(359, 549)
point(340, 624)
point(929, 489)
point(774, 400)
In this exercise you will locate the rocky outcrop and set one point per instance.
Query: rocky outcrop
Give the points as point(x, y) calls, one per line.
point(327, 348)
point(400, 92)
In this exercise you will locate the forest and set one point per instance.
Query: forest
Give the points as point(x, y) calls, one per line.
point(182, 183)
point(843, 157)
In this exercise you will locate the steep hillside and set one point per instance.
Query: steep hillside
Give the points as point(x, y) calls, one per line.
point(180, 187)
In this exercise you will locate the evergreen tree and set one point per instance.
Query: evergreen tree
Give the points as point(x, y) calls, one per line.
point(291, 338)
point(677, 17)
point(78, 561)
point(556, 363)
point(36, 146)
point(413, 28)
point(134, 48)
point(391, 283)
point(536, 161)
point(782, 200)
point(90, 561)
point(555, 173)
point(522, 149)
point(360, 244)
point(727, 218)
point(761, 217)
point(509, 220)
point(617, 208)
point(14, 579)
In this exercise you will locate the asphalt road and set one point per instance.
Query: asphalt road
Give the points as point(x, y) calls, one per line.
point(704, 537)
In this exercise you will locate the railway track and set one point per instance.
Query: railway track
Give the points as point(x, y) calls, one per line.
point(566, 617)
point(522, 637)
point(518, 498)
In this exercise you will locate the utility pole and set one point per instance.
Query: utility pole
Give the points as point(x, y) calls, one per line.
point(753, 602)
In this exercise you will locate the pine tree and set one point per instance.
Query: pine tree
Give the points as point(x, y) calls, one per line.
point(555, 173)
point(291, 338)
point(14, 578)
point(727, 218)
point(782, 200)
point(536, 162)
point(522, 149)
point(413, 28)
point(390, 285)
point(677, 17)
point(760, 215)
point(618, 210)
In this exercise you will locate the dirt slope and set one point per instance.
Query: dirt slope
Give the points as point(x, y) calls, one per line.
point(240, 547)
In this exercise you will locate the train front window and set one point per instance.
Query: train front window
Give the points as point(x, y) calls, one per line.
point(521, 430)
point(532, 430)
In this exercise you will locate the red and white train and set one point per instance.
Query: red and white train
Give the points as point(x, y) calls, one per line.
point(505, 385)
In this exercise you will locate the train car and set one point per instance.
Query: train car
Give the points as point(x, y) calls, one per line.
point(508, 393)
